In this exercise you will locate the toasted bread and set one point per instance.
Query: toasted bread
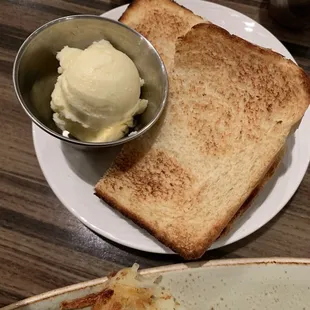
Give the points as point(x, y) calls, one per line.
point(161, 22)
point(231, 107)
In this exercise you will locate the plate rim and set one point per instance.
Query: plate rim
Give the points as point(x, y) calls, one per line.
point(130, 244)
point(182, 267)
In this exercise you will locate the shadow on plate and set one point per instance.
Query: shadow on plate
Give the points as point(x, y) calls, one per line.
point(89, 166)
point(136, 227)
point(229, 250)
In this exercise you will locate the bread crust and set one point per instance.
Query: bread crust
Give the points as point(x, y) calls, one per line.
point(137, 4)
point(250, 200)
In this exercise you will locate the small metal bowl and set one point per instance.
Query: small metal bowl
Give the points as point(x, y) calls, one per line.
point(35, 70)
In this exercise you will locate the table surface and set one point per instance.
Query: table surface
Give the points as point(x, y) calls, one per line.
point(42, 245)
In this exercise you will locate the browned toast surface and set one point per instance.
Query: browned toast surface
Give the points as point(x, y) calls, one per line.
point(231, 107)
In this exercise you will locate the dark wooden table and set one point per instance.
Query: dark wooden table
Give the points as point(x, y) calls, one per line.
point(42, 245)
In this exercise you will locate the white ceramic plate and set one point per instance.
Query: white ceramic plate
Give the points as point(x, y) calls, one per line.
point(271, 284)
point(72, 174)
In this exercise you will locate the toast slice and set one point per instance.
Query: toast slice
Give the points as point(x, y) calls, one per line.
point(161, 22)
point(157, 20)
point(231, 107)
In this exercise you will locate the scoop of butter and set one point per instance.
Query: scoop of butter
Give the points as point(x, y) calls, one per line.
point(97, 93)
